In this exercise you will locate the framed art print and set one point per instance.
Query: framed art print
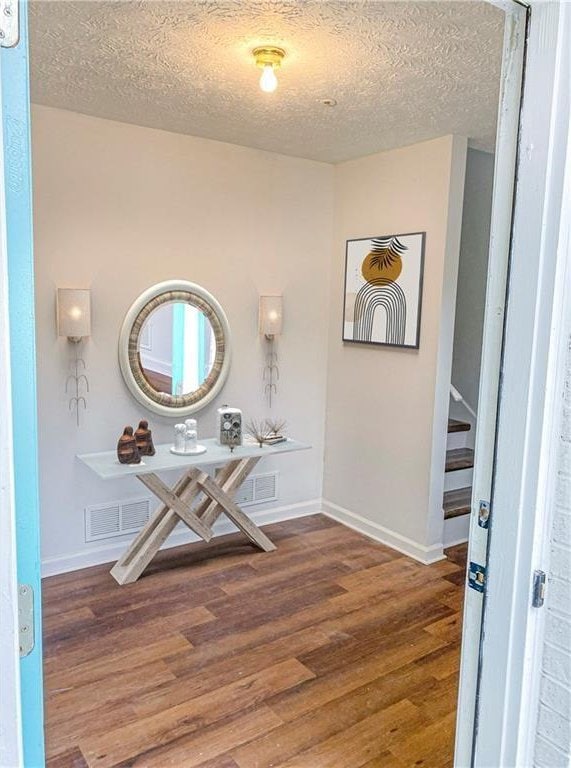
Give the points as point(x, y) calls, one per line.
point(383, 290)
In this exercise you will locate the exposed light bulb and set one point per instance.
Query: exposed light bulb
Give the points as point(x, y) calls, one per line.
point(268, 80)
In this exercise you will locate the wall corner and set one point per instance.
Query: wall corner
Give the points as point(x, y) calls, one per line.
point(435, 516)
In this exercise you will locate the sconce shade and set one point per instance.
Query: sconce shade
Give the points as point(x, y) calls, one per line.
point(74, 312)
point(271, 315)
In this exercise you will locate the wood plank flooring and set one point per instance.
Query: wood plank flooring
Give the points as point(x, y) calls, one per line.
point(332, 652)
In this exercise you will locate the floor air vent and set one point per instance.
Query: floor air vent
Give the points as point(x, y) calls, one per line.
point(104, 521)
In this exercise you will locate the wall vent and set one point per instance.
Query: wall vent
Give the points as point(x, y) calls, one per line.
point(258, 489)
point(104, 521)
point(245, 493)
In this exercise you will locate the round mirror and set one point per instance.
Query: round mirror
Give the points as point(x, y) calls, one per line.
point(174, 348)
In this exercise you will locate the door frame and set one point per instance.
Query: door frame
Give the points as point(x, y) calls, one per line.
point(504, 183)
point(520, 424)
point(526, 385)
point(11, 745)
point(26, 737)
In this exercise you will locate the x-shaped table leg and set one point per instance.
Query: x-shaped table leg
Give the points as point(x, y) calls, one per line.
point(230, 477)
point(150, 539)
point(177, 505)
point(233, 511)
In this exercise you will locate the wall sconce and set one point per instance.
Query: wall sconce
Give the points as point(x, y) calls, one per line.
point(73, 314)
point(270, 324)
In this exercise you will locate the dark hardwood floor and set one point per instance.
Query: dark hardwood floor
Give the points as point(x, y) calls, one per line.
point(333, 652)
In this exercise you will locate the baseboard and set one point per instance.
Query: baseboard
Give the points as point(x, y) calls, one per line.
point(392, 539)
point(111, 552)
point(456, 530)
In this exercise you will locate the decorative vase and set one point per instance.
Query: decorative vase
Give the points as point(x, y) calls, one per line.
point(179, 437)
point(190, 441)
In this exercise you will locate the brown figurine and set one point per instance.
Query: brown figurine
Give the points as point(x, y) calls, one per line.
point(127, 451)
point(144, 438)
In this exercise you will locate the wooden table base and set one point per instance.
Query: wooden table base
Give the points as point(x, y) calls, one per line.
point(178, 505)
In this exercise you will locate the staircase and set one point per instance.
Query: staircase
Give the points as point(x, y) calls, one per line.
point(457, 483)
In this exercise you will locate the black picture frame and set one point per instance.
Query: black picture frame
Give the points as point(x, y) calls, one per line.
point(377, 343)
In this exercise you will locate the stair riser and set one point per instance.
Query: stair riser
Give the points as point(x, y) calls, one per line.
point(456, 530)
point(462, 478)
point(457, 440)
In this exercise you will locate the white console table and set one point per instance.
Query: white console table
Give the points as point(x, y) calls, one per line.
point(181, 502)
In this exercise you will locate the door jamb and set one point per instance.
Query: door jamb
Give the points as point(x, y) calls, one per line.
point(522, 414)
point(7, 543)
point(11, 744)
point(493, 334)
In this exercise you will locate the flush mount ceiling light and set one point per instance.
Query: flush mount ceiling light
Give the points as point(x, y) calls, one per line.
point(268, 58)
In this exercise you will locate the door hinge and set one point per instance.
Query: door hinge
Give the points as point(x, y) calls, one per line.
point(539, 585)
point(26, 618)
point(9, 23)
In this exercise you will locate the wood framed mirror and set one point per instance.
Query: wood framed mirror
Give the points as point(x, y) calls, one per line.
point(174, 348)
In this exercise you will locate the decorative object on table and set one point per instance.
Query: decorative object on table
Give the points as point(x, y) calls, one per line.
point(127, 451)
point(229, 426)
point(266, 431)
point(258, 430)
point(179, 438)
point(174, 348)
point(190, 441)
point(186, 439)
point(191, 424)
point(191, 436)
point(276, 428)
point(144, 438)
point(383, 290)
point(270, 321)
point(73, 312)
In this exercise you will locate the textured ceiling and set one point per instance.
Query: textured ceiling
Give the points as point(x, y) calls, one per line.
point(401, 72)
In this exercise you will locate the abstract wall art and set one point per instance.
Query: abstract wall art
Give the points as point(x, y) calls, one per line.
point(383, 290)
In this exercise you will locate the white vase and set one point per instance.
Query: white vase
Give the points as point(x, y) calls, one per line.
point(191, 424)
point(190, 441)
point(179, 437)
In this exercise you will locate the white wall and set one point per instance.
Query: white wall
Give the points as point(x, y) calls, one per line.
point(552, 650)
point(119, 208)
point(553, 734)
point(385, 406)
point(472, 277)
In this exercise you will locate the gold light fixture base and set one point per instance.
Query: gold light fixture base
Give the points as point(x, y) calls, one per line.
point(271, 55)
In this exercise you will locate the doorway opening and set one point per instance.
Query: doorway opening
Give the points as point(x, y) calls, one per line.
point(126, 198)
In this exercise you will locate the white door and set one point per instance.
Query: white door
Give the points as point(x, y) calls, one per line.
point(500, 236)
point(492, 714)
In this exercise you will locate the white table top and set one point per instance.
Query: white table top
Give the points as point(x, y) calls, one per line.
point(108, 467)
